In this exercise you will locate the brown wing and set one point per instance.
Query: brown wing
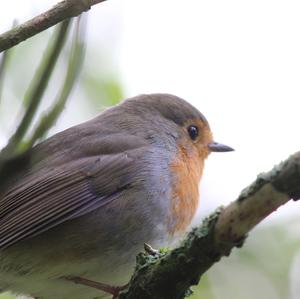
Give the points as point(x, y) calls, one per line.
point(66, 192)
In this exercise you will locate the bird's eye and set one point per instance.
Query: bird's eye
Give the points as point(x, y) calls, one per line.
point(193, 132)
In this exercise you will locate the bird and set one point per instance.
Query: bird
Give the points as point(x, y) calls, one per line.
point(81, 204)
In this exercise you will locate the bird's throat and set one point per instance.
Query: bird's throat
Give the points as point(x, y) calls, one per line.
point(187, 169)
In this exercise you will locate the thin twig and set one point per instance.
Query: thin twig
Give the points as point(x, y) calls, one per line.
point(39, 83)
point(74, 65)
point(62, 11)
point(3, 64)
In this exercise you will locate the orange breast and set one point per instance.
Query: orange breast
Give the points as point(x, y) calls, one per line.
point(187, 169)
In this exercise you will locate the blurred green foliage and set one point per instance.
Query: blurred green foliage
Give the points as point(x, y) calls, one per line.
point(108, 90)
point(96, 88)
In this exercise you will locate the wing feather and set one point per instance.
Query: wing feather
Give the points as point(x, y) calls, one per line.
point(66, 192)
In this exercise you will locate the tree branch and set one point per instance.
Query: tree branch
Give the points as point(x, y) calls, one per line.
point(169, 275)
point(63, 10)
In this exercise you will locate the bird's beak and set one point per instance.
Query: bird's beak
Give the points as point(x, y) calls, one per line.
point(219, 147)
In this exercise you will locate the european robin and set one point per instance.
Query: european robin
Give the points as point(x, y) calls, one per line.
point(83, 202)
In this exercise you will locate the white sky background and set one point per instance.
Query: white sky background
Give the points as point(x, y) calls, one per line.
point(237, 61)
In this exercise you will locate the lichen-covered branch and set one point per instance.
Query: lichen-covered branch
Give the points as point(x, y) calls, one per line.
point(170, 275)
point(63, 10)
point(269, 191)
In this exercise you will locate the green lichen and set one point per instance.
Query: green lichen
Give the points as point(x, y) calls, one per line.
point(164, 250)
